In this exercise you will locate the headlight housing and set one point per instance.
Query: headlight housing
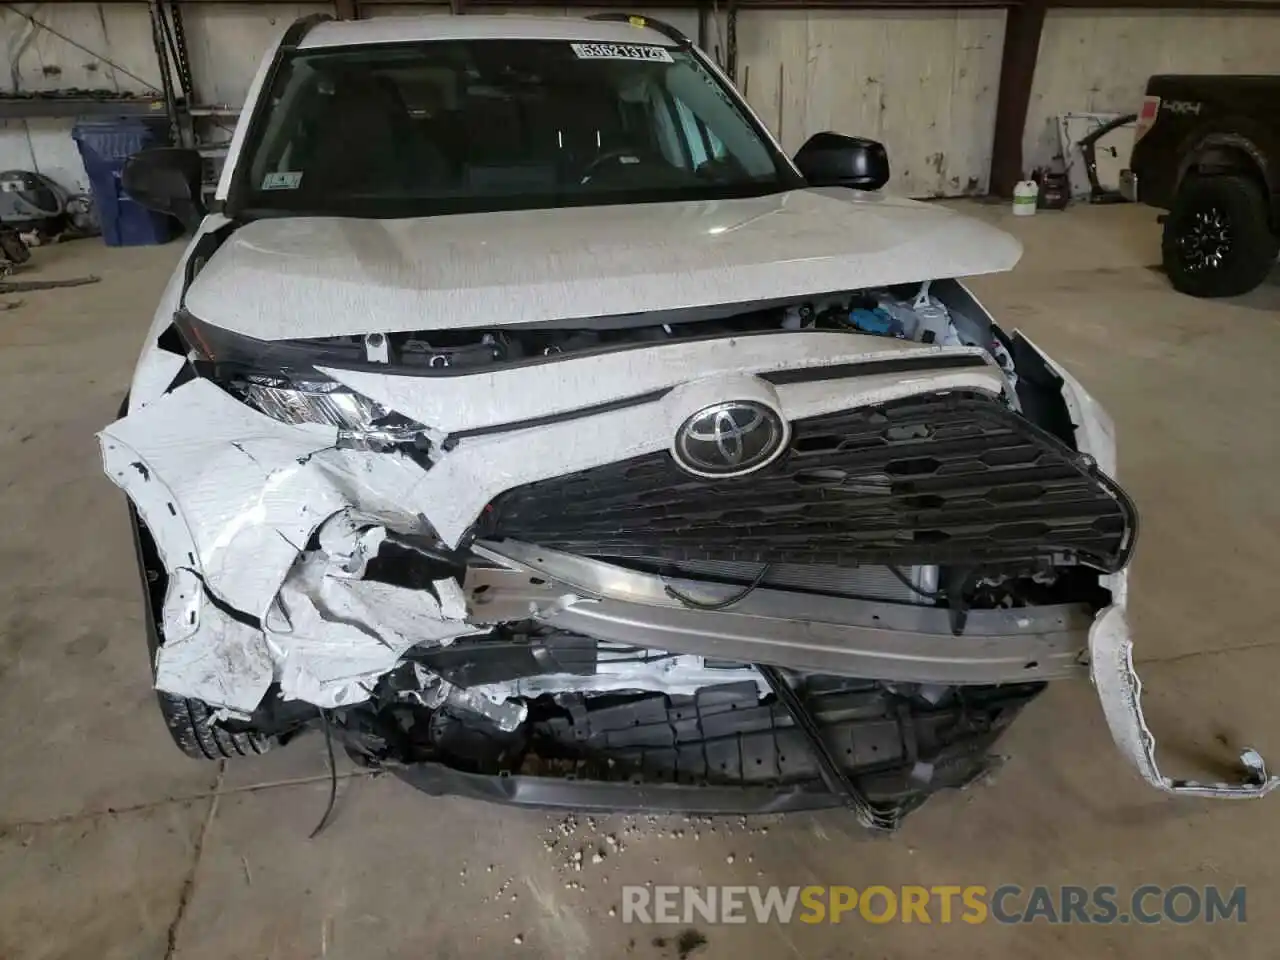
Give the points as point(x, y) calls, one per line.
point(362, 423)
point(278, 377)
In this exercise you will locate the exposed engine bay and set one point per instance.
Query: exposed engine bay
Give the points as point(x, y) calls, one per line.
point(482, 602)
point(911, 312)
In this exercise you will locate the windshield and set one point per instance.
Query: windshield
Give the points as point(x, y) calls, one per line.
point(475, 125)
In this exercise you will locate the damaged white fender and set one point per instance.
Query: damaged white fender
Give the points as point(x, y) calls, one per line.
point(234, 495)
point(232, 498)
point(332, 638)
point(207, 654)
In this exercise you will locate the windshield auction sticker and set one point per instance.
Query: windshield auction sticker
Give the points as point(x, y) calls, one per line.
point(283, 180)
point(620, 51)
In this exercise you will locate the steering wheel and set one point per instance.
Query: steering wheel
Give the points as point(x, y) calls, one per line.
point(610, 157)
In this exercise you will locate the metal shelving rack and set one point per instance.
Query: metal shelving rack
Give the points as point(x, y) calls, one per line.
point(23, 108)
point(171, 101)
point(175, 101)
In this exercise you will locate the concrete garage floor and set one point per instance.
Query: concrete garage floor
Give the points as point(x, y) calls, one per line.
point(113, 845)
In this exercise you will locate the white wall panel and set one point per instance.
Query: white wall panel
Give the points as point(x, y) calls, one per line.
point(225, 43)
point(370, 10)
point(924, 83)
point(684, 20)
point(1100, 60)
point(37, 60)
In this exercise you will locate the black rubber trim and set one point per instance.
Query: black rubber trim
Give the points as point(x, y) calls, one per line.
point(591, 411)
point(551, 793)
point(299, 29)
point(148, 559)
point(661, 26)
point(842, 371)
point(144, 552)
point(201, 253)
point(403, 370)
point(887, 365)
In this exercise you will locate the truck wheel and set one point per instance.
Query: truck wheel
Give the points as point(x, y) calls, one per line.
point(1217, 242)
point(191, 725)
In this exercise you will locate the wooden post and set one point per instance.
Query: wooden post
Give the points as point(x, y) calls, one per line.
point(1023, 26)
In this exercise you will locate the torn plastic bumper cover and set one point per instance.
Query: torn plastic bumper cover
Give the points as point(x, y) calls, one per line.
point(1120, 690)
point(265, 530)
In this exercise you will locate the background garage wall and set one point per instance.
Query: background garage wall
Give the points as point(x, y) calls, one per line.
point(685, 20)
point(924, 83)
point(1100, 60)
point(32, 59)
point(224, 41)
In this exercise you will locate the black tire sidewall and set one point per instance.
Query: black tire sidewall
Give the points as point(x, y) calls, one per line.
point(1253, 250)
point(190, 723)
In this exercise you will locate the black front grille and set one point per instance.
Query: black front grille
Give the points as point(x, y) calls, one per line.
point(934, 479)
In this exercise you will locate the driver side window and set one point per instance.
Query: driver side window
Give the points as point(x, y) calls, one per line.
point(686, 142)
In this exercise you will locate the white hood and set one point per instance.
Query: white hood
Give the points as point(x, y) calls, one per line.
point(325, 276)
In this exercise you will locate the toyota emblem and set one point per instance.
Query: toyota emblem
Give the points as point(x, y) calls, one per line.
point(730, 439)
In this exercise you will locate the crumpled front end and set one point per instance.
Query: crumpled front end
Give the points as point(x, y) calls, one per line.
point(506, 580)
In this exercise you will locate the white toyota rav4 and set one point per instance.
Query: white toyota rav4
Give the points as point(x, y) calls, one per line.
point(523, 415)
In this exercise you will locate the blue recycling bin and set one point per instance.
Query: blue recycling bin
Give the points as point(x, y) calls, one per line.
point(104, 147)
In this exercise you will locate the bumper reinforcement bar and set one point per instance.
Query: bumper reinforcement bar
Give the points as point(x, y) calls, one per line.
point(853, 638)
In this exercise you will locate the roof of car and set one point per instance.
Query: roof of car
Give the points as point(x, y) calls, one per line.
point(344, 33)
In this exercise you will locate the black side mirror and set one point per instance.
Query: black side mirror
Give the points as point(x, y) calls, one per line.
point(167, 180)
point(834, 160)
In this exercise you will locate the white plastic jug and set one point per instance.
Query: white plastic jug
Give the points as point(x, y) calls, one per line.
point(1025, 193)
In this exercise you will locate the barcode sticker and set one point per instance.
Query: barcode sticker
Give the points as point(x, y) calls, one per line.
point(282, 181)
point(620, 51)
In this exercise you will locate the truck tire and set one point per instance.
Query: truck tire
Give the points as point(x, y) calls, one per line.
point(1217, 241)
point(191, 725)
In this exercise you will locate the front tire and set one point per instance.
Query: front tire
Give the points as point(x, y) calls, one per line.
point(193, 729)
point(1217, 241)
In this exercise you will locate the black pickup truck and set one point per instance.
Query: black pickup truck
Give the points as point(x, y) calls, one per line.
point(1207, 150)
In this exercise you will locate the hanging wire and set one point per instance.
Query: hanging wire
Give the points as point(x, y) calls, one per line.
point(729, 601)
point(906, 582)
point(333, 775)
